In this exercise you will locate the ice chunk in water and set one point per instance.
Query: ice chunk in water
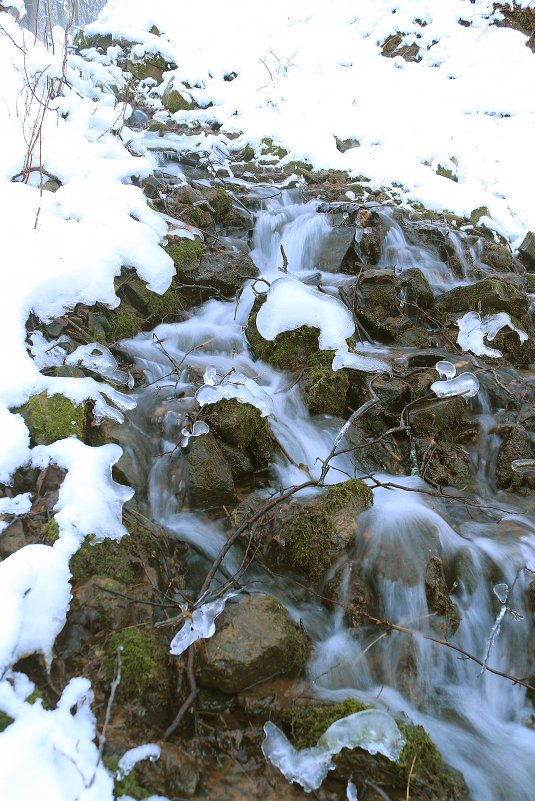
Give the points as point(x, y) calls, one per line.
point(356, 361)
point(466, 384)
point(523, 465)
point(372, 729)
point(199, 428)
point(200, 625)
point(447, 369)
point(472, 329)
point(501, 591)
point(100, 360)
point(210, 376)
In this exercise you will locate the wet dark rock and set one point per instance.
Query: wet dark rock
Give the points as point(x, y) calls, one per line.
point(516, 444)
point(498, 257)
point(490, 295)
point(443, 463)
point(371, 237)
point(337, 250)
point(520, 354)
point(209, 480)
point(438, 240)
point(289, 350)
point(417, 288)
point(254, 640)
point(324, 391)
point(176, 774)
point(346, 144)
point(239, 462)
point(241, 426)
point(527, 250)
point(438, 598)
point(210, 273)
point(349, 587)
point(439, 418)
point(379, 305)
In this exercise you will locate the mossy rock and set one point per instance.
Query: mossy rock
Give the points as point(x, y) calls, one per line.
point(269, 148)
point(53, 417)
point(115, 559)
point(142, 309)
point(444, 172)
point(288, 351)
point(124, 324)
point(173, 100)
point(420, 758)
point(152, 65)
point(353, 496)
point(242, 426)
point(477, 214)
point(5, 721)
point(186, 253)
point(209, 477)
point(100, 42)
point(308, 722)
point(248, 153)
point(222, 204)
point(143, 663)
point(127, 786)
point(307, 537)
point(490, 294)
point(324, 391)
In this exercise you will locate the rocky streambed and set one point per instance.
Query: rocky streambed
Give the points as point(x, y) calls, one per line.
point(357, 561)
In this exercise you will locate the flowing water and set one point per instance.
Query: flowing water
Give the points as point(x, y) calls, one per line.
point(481, 723)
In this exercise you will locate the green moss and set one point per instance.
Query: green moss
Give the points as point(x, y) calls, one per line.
point(446, 173)
point(111, 558)
point(185, 253)
point(174, 101)
point(248, 153)
point(124, 324)
point(129, 785)
point(50, 418)
point(239, 424)
point(352, 494)
point(50, 532)
point(151, 66)
point(325, 391)
point(268, 148)
point(295, 646)
point(289, 350)
point(529, 278)
point(418, 743)
point(5, 721)
point(143, 662)
point(476, 214)
point(160, 127)
point(83, 42)
point(309, 722)
point(307, 536)
point(222, 204)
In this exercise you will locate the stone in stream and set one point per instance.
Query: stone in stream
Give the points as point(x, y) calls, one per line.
point(336, 249)
point(378, 305)
point(516, 444)
point(213, 273)
point(254, 640)
point(487, 296)
point(417, 287)
point(440, 418)
point(209, 478)
point(438, 599)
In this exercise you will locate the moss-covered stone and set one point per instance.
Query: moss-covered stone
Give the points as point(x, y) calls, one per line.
point(174, 100)
point(529, 280)
point(269, 148)
point(289, 350)
point(100, 42)
point(239, 424)
point(5, 721)
point(222, 204)
point(185, 252)
point(477, 214)
point(352, 495)
point(53, 417)
point(127, 786)
point(248, 153)
point(143, 662)
point(491, 294)
point(325, 391)
point(444, 172)
point(307, 723)
point(113, 558)
point(152, 65)
point(50, 532)
point(307, 537)
point(124, 324)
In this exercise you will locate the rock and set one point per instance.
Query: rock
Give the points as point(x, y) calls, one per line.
point(490, 294)
point(498, 257)
point(53, 417)
point(417, 288)
point(477, 214)
point(152, 65)
point(371, 238)
point(176, 774)
point(289, 350)
point(241, 426)
point(379, 307)
point(336, 249)
point(346, 144)
point(324, 391)
point(214, 273)
point(438, 598)
point(209, 480)
point(99, 604)
point(12, 539)
point(254, 640)
point(392, 47)
point(520, 354)
point(438, 240)
point(176, 98)
point(443, 463)
point(516, 444)
point(440, 418)
point(527, 249)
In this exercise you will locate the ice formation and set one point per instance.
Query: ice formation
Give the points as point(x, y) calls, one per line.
point(372, 729)
point(130, 759)
point(447, 369)
point(465, 384)
point(235, 385)
point(199, 625)
point(472, 330)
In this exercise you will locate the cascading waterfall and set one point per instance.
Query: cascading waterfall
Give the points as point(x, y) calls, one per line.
point(479, 722)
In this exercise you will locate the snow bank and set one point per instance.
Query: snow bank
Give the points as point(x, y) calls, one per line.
point(309, 71)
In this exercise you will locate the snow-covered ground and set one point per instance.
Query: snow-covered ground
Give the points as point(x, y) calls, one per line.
point(306, 72)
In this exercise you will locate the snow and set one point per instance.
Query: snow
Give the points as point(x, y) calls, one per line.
point(372, 729)
point(130, 759)
point(467, 105)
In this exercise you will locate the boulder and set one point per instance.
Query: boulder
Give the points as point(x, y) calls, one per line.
point(336, 248)
point(488, 296)
point(440, 418)
point(516, 444)
point(212, 273)
point(417, 287)
point(438, 599)
point(527, 250)
point(209, 477)
point(378, 305)
point(254, 640)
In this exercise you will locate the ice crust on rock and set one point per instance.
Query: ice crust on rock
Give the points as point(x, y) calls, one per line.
point(372, 729)
point(445, 368)
point(99, 359)
point(130, 759)
point(472, 330)
point(236, 385)
point(199, 625)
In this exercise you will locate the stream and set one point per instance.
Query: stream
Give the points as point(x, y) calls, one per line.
point(481, 723)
